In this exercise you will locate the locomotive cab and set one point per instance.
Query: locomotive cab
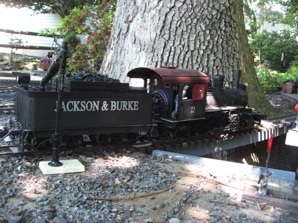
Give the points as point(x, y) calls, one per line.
point(178, 95)
point(188, 101)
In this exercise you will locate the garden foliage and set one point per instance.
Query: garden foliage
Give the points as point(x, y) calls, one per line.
point(93, 25)
point(271, 80)
point(279, 48)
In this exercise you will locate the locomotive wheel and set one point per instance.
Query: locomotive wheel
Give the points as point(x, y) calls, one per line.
point(164, 131)
point(182, 131)
point(71, 141)
point(132, 137)
point(103, 139)
point(39, 144)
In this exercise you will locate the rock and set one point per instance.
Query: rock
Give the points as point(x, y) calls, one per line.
point(59, 220)
point(262, 206)
point(28, 165)
point(41, 220)
point(15, 219)
point(174, 220)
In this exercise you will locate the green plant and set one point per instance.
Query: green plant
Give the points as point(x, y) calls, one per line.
point(61, 8)
point(5, 57)
point(274, 46)
point(267, 78)
point(94, 23)
point(292, 73)
point(15, 42)
point(272, 80)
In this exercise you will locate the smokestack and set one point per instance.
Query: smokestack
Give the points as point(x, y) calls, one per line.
point(218, 80)
point(236, 78)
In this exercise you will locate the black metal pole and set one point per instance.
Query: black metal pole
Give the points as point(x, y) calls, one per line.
point(56, 137)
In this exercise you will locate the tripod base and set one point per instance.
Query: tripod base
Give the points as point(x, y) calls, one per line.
point(68, 166)
point(55, 163)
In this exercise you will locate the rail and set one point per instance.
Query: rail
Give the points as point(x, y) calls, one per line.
point(199, 146)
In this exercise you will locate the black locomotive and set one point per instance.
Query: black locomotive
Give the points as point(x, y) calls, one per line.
point(160, 102)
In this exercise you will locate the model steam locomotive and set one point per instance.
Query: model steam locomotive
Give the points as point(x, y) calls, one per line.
point(160, 102)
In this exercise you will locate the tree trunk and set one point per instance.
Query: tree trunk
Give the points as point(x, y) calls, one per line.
point(256, 96)
point(195, 34)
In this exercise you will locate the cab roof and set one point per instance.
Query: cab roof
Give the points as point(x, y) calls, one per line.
point(170, 75)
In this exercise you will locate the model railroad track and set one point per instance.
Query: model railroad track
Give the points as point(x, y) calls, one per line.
point(195, 145)
point(7, 107)
point(208, 144)
point(6, 92)
point(5, 89)
point(7, 82)
point(7, 101)
point(7, 151)
point(291, 97)
point(10, 81)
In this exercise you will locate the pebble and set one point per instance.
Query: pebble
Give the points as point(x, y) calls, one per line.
point(15, 219)
point(174, 220)
point(64, 198)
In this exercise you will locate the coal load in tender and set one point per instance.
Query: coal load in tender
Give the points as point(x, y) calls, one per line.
point(91, 81)
point(90, 77)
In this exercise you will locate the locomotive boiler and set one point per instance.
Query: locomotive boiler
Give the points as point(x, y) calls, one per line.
point(106, 110)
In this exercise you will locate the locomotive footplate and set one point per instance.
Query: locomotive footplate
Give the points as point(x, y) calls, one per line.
point(171, 120)
point(225, 108)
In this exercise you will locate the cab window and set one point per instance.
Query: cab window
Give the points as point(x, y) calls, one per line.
point(198, 92)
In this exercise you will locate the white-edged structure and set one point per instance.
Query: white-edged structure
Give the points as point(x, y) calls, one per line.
point(25, 20)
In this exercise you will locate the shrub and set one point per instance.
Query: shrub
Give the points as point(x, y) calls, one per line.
point(94, 23)
point(271, 80)
point(275, 46)
point(267, 78)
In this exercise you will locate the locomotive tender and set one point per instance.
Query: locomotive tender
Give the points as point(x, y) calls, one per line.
point(109, 110)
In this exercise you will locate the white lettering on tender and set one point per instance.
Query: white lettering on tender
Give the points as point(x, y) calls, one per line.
point(124, 106)
point(77, 106)
point(81, 106)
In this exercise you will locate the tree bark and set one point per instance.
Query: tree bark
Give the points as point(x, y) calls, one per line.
point(196, 34)
point(256, 96)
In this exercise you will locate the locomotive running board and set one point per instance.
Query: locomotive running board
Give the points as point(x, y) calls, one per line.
point(183, 120)
point(224, 108)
